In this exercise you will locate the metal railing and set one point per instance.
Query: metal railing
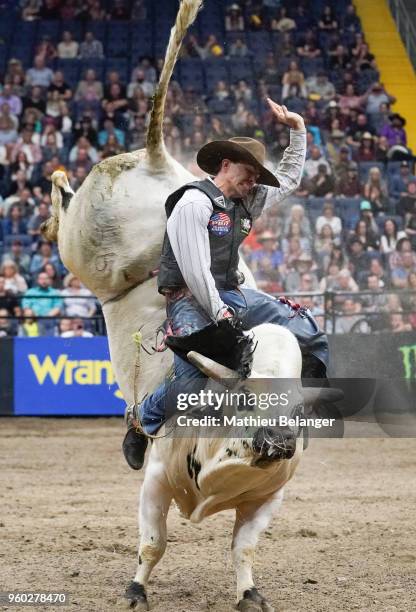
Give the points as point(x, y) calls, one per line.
point(405, 26)
point(327, 307)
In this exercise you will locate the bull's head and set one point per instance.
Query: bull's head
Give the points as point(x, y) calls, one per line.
point(275, 442)
point(61, 195)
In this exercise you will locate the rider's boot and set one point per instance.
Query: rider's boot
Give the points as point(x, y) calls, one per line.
point(134, 443)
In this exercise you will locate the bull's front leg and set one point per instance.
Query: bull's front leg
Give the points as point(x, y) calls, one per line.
point(251, 519)
point(155, 498)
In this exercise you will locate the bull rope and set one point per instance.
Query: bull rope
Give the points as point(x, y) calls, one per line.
point(138, 340)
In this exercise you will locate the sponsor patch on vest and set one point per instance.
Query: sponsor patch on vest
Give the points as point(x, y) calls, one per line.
point(245, 225)
point(220, 201)
point(219, 224)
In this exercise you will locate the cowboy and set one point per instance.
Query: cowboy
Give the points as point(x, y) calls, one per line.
point(207, 221)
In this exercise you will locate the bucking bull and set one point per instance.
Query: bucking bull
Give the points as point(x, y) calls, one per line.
point(110, 235)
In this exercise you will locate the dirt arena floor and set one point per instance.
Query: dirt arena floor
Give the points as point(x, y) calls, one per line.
point(345, 538)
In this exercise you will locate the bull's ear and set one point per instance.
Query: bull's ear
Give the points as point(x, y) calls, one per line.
point(211, 368)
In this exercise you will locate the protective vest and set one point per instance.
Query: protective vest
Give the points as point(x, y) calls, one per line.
point(228, 225)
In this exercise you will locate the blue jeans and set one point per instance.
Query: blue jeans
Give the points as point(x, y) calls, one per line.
point(254, 308)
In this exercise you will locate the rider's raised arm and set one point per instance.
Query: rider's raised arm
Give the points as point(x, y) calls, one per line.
point(187, 229)
point(290, 169)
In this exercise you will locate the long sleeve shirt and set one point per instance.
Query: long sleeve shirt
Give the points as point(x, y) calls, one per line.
point(187, 226)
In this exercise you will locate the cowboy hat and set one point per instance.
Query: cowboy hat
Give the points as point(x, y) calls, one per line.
point(239, 150)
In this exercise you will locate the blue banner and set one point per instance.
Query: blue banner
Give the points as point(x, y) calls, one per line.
point(64, 376)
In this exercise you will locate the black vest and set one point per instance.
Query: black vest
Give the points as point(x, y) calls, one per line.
point(228, 225)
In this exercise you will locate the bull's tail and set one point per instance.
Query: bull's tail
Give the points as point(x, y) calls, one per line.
point(155, 146)
point(61, 195)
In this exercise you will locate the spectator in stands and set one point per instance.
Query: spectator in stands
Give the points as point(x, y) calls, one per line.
point(6, 324)
point(374, 97)
point(366, 236)
point(345, 282)
point(147, 87)
point(378, 301)
point(350, 99)
point(14, 224)
point(297, 215)
point(323, 246)
point(64, 326)
point(357, 129)
point(26, 143)
point(239, 49)
point(295, 231)
point(78, 300)
point(39, 75)
point(352, 318)
point(221, 101)
point(394, 130)
point(8, 298)
point(18, 255)
point(328, 217)
point(110, 130)
point(293, 76)
point(76, 330)
point(391, 235)
point(13, 281)
point(303, 265)
point(46, 49)
point(328, 21)
point(59, 85)
point(382, 149)
point(309, 49)
point(67, 48)
point(234, 20)
point(8, 97)
point(29, 327)
point(407, 203)
point(398, 323)
point(34, 101)
point(410, 229)
point(23, 199)
point(367, 215)
point(328, 281)
point(54, 276)
point(339, 58)
point(375, 191)
point(376, 268)
point(113, 147)
point(350, 186)
point(322, 184)
point(8, 133)
point(400, 181)
point(400, 273)
point(282, 22)
point(320, 87)
point(367, 150)
point(43, 256)
point(89, 88)
point(91, 48)
point(82, 144)
point(313, 161)
point(43, 300)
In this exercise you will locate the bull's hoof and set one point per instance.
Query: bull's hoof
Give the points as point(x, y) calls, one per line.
point(253, 602)
point(136, 595)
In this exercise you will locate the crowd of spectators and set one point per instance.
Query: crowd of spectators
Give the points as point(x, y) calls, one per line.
point(350, 226)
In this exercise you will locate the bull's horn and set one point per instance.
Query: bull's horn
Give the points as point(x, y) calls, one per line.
point(324, 394)
point(60, 180)
point(211, 368)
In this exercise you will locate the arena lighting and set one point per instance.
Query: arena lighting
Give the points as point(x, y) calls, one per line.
point(104, 114)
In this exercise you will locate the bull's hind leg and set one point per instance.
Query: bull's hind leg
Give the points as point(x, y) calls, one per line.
point(155, 498)
point(251, 519)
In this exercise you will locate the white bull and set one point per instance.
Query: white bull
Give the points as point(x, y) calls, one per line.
point(110, 234)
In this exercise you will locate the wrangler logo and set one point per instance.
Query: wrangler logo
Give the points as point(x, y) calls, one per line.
point(69, 372)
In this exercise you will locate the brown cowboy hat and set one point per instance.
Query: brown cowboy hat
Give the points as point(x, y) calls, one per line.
point(240, 150)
